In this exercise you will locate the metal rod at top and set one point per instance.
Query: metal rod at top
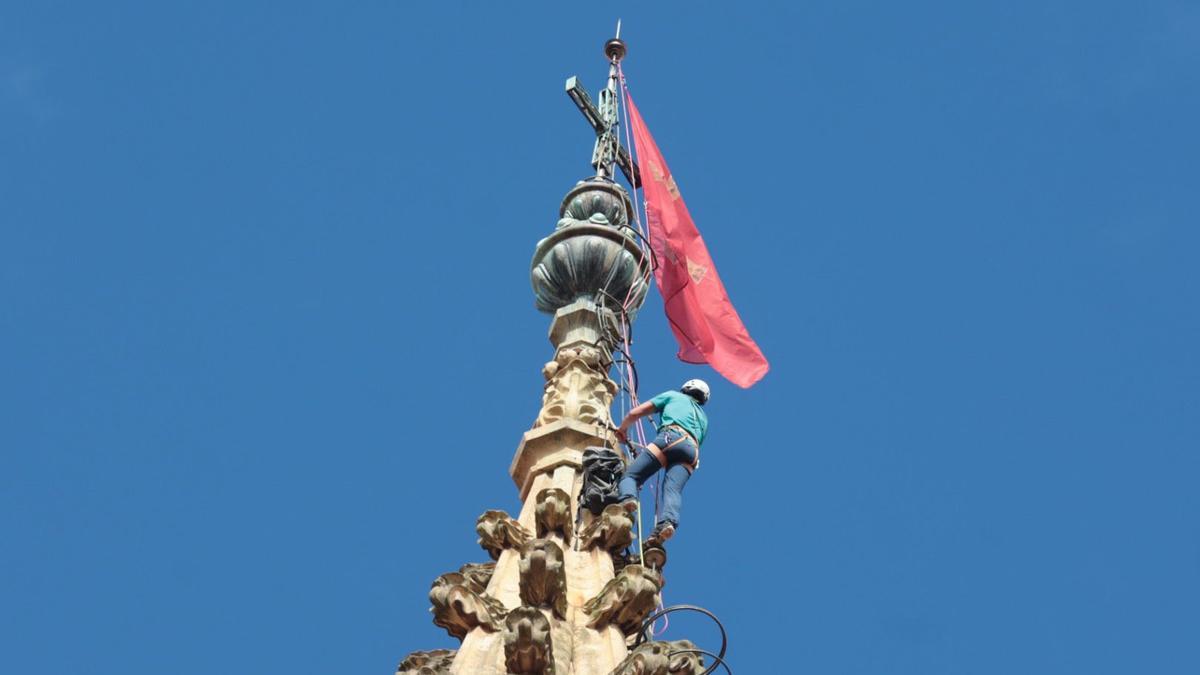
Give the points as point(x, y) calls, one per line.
point(615, 48)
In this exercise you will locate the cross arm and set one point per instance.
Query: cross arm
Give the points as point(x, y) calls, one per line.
point(584, 102)
point(592, 114)
point(629, 167)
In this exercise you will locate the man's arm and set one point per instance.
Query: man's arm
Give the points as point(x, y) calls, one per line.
point(634, 415)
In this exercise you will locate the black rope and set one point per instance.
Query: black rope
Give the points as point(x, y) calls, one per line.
point(717, 661)
point(644, 631)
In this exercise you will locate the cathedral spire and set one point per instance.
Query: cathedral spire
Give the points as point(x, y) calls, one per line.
point(567, 590)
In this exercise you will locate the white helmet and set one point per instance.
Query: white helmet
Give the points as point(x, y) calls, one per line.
point(697, 389)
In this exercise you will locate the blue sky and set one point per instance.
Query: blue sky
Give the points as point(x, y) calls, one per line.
point(267, 342)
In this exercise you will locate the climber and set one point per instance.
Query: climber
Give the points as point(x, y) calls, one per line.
point(681, 430)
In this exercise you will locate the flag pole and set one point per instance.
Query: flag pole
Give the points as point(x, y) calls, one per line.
point(615, 50)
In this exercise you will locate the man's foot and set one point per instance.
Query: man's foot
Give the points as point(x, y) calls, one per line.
point(630, 505)
point(661, 534)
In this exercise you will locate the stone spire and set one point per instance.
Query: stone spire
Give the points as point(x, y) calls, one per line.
point(561, 596)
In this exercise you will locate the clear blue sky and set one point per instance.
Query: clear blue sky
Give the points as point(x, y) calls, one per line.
point(267, 342)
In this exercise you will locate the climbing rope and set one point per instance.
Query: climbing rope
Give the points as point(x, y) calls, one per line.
point(641, 228)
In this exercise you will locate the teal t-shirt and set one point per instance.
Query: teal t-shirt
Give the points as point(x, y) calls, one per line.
point(678, 408)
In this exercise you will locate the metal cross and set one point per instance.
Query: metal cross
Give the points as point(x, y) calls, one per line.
point(608, 149)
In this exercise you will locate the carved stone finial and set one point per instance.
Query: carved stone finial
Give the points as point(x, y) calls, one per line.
point(553, 512)
point(661, 658)
point(527, 646)
point(459, 605)
point(626, 600)
point(436, 662)
point(612, 530)
point(498, 531)
point(543, 576)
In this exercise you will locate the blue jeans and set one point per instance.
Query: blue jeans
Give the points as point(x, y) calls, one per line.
point(681, 452)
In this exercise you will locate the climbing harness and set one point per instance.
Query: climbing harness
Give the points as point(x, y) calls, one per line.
point(686, 436)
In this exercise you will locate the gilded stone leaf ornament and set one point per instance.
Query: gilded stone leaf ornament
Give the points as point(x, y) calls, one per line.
point(527, 644)
point(661, 658)
point(498, 531)
point(543, 576)
point(626, 600)
point(612, 530)
point(553, 512)
point(460, 605)
point(436, 662)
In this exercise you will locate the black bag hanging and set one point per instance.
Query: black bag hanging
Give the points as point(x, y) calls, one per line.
point(602, 470)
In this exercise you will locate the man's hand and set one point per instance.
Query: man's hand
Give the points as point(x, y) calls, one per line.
point(634, 415)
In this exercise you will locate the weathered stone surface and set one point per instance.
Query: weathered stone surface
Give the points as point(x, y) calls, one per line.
point(553, 512)
point(498, 531)
point(584, 323)
point(459, 604)
point(612, 530)
point(436, 662)
point(625, 601)
point(543, 576)
point(527, 644)
point(577, 387)
point(551, 446)
point(478, 574)
point(661, 658)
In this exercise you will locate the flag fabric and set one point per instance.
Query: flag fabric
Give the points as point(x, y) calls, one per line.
point(703, 319)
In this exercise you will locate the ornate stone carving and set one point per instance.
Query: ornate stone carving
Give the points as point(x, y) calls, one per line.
point(543, 576)
point(612, 530)
point(498, 531)
point(436, 662)
point(478, 575)
point(577, 386)
point(661, 658)
point(553, 512)
point(527, 647)
point(460, 604)
point(621, 560)
point(626, 600)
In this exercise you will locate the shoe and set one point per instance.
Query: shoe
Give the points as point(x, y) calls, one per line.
point(661, 534)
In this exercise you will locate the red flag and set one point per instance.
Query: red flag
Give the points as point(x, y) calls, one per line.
point(703, 319)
